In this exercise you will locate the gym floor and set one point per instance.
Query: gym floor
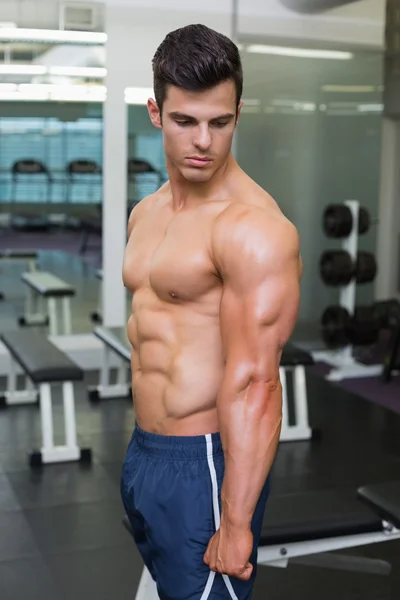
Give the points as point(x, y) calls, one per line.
point(61, 535)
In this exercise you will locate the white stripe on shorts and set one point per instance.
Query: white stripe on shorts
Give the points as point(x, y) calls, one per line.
point(217, 520)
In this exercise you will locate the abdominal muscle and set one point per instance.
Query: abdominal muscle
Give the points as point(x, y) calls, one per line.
point(177, 368)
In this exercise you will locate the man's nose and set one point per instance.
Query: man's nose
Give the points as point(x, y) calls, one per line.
point(202, 139)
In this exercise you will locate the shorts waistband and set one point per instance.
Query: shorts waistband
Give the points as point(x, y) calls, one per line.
point(178, 447)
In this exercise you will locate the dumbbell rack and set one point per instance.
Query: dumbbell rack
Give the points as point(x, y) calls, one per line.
point(346, 366)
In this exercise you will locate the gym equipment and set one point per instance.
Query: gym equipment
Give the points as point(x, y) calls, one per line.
point(30, 172)
point(336, 267)
point(293, 363)
point(313, 524)
point(28, 256)
point(387, 312)
point(366, 267)
point(83, 172)
point(363, 327)
point(29, 168)
point(115, 341)
point(45, 365)
point(25, 256)
point(91, 226)
point(342, 328)
point(143, 180)
point(338, 221)
point(46, 285)
point(334, 324)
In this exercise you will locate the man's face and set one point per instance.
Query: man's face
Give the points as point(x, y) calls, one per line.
point(197, 128)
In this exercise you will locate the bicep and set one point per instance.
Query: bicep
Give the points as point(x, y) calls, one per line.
point(257, 318)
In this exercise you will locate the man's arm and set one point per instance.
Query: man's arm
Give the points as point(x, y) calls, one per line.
point(257, 256)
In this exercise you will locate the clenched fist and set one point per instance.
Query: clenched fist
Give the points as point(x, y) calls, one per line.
point(228, 552)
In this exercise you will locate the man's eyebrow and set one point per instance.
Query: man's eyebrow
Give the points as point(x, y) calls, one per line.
point(179, 115)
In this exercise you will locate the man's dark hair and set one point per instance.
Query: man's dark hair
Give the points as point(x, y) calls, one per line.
point(196, 58)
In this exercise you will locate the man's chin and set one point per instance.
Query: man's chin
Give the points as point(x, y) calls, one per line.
point(197, 175)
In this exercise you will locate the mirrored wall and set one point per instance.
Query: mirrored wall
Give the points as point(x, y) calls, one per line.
point(310, 135)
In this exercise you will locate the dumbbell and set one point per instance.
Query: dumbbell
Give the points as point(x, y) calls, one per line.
point(337, 267)
point(338, 221)
point(339, 328)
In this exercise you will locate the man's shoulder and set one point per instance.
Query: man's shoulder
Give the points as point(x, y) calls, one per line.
point(254, 212)
point(252, 237)
point(149, 201)
point(145, 206)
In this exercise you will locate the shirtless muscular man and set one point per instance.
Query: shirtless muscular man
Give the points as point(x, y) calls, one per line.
point(214, 270)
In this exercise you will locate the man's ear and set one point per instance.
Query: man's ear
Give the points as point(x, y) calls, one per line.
point(154, 113)
point(239, 108)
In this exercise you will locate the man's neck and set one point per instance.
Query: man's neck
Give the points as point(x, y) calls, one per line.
point(190, 193)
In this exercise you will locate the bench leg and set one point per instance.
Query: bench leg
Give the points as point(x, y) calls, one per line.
point(32, 265)
point(300, 430)
point(147, 589)
point(66, 304)
point(46, 415)
point(49, 452)
point(13, 396)
point(33, 315)
point(69, 415)
point(105, 389)
point(53, 320)
point(300, 402)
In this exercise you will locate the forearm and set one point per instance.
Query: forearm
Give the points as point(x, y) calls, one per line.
point(250, 424)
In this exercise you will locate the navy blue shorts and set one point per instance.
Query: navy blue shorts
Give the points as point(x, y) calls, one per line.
point(171, 493)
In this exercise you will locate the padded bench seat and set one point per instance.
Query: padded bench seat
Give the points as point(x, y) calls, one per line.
point(43, 285)
point(9, 254)
point(312, 515)
point(384, 499)
point(42, 361)
point(47, 284)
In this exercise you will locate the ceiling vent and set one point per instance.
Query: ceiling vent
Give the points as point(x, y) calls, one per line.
point(79, 17)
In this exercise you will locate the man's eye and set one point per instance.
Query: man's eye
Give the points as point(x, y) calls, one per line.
point(220, 124)
point(183, 123)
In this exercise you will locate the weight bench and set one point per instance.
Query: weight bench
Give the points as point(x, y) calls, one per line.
point(304, 528)
point(115, 341)
point(29, 256)
point(26, 256)
point(44, 365)
point(295, 426)
point(43, 285)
